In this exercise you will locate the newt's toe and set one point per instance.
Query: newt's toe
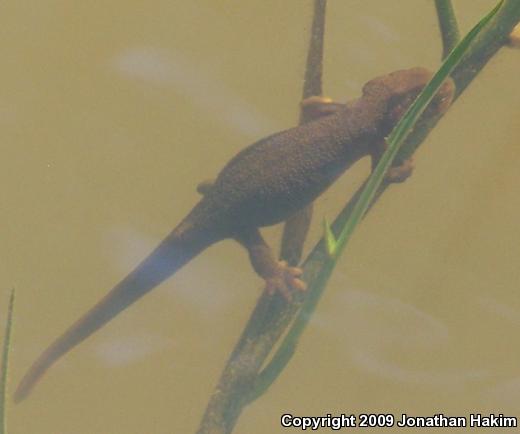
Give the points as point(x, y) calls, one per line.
point(400, 173)
point(285, 281)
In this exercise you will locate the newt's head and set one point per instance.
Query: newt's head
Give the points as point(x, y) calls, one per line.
point(397, 90)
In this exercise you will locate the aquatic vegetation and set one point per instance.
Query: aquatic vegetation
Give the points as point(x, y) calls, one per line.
point(243, 380)
point(254, 365)
point(5, 364)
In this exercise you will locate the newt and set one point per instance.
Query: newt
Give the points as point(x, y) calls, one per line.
point(264, 184)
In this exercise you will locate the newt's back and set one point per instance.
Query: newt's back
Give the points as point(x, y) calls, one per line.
point(273, 178)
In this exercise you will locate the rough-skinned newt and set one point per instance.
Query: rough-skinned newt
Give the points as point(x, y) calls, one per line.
point(262, 185)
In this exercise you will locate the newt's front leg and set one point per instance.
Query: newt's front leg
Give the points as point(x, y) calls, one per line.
point(395, 174)
point(278, 275)
point(315, 107)
point(319, 106)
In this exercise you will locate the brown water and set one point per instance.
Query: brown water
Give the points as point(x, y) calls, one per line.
point(111, 113)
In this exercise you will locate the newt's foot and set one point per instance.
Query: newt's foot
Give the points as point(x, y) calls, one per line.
point(317, 106)
point(400, 173)
point(285, 280)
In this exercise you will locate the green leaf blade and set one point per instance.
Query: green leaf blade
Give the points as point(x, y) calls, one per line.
point(5, 363)
point(330, 240)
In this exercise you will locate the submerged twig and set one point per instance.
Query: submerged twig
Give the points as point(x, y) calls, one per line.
point(312, 83)
point(372, 189)
point(259, 336)
point(447, 25)
point(296, 228)
point(239, 383)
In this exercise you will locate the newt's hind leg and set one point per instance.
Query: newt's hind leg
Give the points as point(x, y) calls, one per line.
point(278, 276)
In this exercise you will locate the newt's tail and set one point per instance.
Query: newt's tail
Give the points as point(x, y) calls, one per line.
point(183, 244)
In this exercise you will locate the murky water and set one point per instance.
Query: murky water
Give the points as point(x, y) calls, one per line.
point(110, 114)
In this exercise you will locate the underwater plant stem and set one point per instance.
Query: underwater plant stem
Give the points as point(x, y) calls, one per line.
point(312, 83)
point(448, 26)
point(239, 383)
point(494, 37)
point(361, 205)
point(296, 228)
point(259, 337)
point(487, 44)
point(5, 364)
